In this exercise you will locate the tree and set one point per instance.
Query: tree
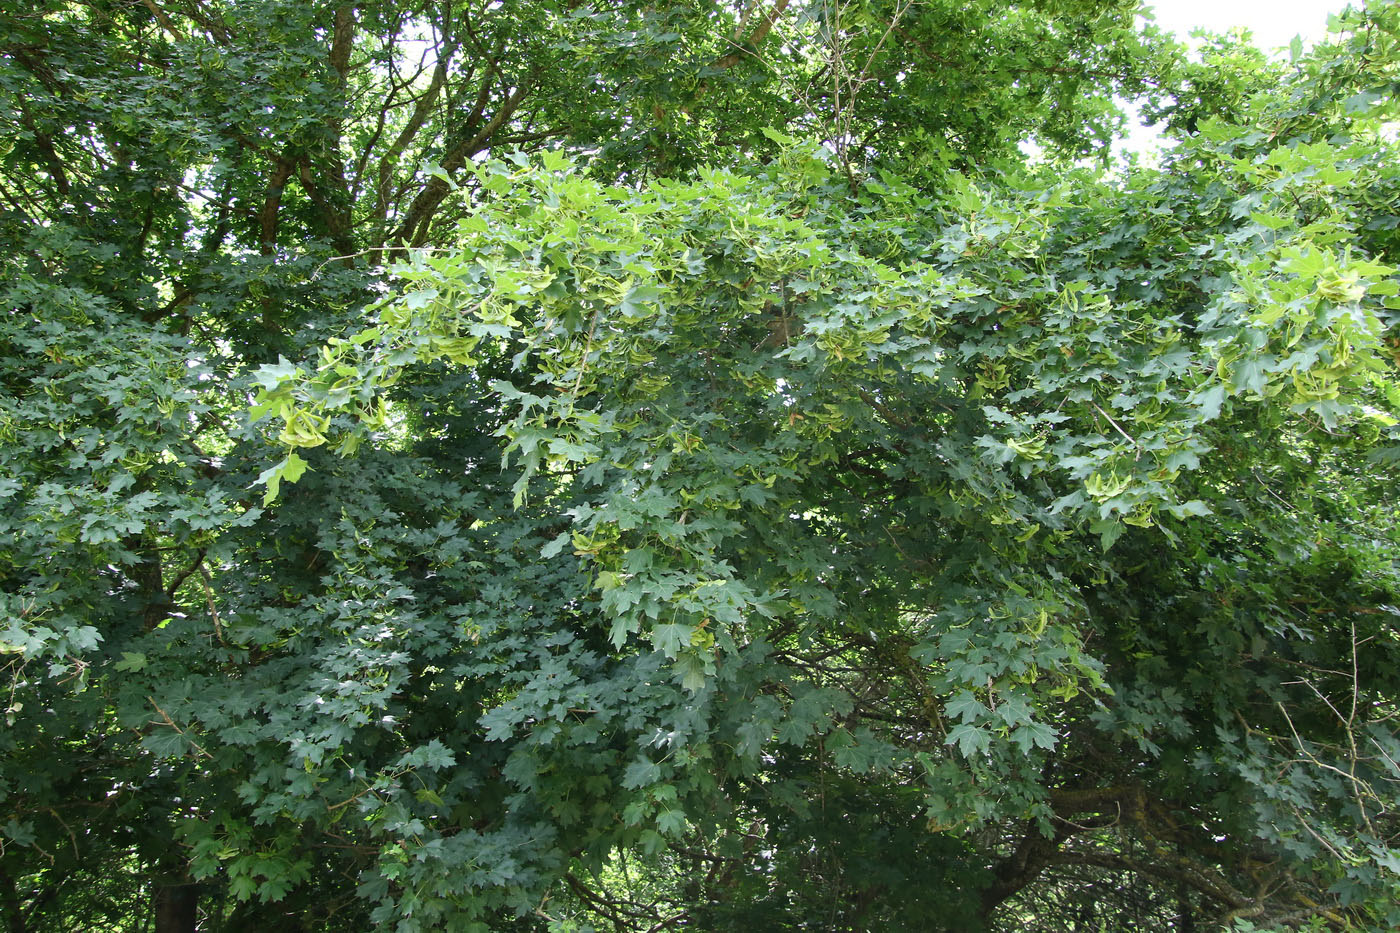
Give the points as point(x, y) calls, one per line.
point(531, 465)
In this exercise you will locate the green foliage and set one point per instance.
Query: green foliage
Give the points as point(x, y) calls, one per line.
point(552, 466)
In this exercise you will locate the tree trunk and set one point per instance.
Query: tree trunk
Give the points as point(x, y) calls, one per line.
point(13, 905)
point(176, 907)
point(1185, 916)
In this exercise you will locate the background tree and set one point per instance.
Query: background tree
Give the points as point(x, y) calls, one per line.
point(728, 530)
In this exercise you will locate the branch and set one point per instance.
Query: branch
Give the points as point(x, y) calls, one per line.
point(381, 119)
point(209, 600)
point(1184, 872)
point(45, 144)
point(1032, 855)
point(753, 40)
point(413, 230)
point(211, 21)
point(165, 717)
point(1116, 426)
point(164, 20)
point(335, 219)
point(421, 111)
point(342, 39)
point(272, 202)
point(183, 575)
point(742, 47)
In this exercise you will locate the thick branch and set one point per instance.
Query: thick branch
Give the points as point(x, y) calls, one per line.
point(335, 218)
point(421, 110)
point(1034, 853)
point(1182, 872)
point(272, 203)
point(742, 47)
point(11, 903)
point(412, 231)
point(45, 144)
point(754, 39)
point(184, 575)
point(39, 68)
point(209, 20)
point(342, 40)
point(164, 20)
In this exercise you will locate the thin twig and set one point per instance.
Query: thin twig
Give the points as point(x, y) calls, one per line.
point(1132, 440)
point(171, 723)
point(209, 600)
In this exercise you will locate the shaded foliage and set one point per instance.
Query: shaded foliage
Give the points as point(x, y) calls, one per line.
point(539, 465)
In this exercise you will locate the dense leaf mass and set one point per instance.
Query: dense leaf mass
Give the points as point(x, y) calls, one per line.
point(568, 466)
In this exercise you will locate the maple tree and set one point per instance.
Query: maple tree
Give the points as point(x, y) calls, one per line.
point(564, 466)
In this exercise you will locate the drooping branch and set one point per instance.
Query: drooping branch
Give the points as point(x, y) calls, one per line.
point(1215, 888)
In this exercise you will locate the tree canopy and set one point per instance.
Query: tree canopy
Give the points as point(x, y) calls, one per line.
point(565, 466)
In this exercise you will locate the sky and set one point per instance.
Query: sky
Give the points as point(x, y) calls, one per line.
point(1273, 22)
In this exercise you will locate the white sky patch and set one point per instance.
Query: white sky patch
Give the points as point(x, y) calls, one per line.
point(1272, 25)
